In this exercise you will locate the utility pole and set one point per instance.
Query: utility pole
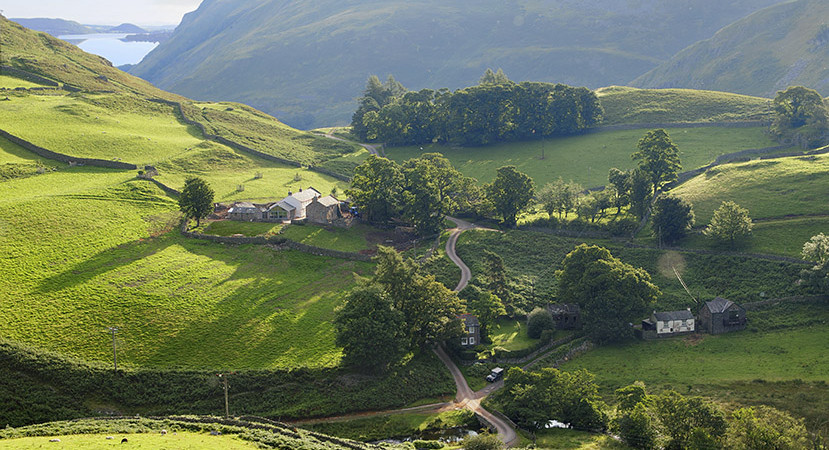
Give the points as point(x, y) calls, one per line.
point(223, 376)
point(113, 330)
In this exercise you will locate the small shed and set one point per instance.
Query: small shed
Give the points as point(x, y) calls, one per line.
point(245, 211)
point(472, 330)
point(722, 316)
point(566, 316)
point(668, 323)
point(323, 210)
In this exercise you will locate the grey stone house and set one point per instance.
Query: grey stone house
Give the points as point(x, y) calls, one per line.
point(566, 316)
point(722, 316)
point(472, 331)
point(323, 210)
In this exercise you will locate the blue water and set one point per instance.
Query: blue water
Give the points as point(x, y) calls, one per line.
point(111, 47)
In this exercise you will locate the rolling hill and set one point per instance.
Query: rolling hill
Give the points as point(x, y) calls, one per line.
point(777, 47)
point(55, 27)
point(305, 62)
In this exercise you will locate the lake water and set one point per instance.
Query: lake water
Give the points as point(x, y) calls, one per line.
point(111, 47)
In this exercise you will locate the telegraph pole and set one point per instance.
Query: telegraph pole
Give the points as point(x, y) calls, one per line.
point(113, 330)
point(223, 376)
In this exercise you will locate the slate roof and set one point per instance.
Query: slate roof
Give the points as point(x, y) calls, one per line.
point(718, 305)
point(469, 320)
point(305, 196)
point(673, 315)
point(564, 308)
point(328, 201)
point(244, 208)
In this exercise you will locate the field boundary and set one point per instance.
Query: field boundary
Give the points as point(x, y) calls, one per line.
point(636, 126)
point(243, 148)
point(40, 151)
point(704, 251)
point(278, 242)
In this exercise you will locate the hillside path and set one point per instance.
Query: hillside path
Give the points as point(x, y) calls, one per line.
point(371, 148)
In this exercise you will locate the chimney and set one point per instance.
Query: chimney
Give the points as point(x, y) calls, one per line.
point(290, 193)
point(300, 189)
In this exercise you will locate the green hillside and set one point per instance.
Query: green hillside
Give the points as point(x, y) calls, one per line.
point(587, 159)
point(780, 46)
point(305, 62)
point(626, 105)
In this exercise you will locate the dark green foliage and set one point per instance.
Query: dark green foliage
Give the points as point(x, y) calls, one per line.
point(375, 96)
point(485, 305)
point(483, 442)
point(629, 396)
point(196, 200)
point(496, 111)
point(690, 422)
point(52, 386)
point(611, 293)
point(801, 115)
point(672, 218)
point(374, 187)
point(766, 428)
point(637, 427)
point(370, 330)
point(510, 192)
point(532, 399)
point(490, 77)
point(539, 320)
point(658, 157)
point(641, 193)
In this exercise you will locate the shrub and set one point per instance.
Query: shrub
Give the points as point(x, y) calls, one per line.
point(483, 442)
point(539, 320)
point(421, 444)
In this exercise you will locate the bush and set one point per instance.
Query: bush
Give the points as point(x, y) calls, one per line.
point(420, 444)
point(539, 321)
point(483, 442)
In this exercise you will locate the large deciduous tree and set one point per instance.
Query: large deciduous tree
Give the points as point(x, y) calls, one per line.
point(371, 330)
point(560, 197)
point(817, 251)
point(658, 157)
point(690, 422)
point(196, 199)
point(800, 114)
point(510, 192)
point(433, 189)
point(611, 293)
point(766, 428)
point(729, 224)
point(375, 186)
point(620, 184)
point(672, 218)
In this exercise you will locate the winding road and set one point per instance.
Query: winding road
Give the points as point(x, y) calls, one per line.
point(466, 397)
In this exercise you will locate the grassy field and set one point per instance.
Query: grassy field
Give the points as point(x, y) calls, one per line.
point(231, 227)
point(182, 440)
point(352, 239)
point(511, 334)
point(106, 126)
point(9, 82)
point(559, 438)
point(587, 159)
point(631, 105)
point(102, 261)
point(389, 426)
point(768, 188)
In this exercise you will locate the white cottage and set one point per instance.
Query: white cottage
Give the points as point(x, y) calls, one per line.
point(673, 322)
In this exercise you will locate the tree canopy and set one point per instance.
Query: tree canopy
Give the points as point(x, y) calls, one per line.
point(510, 192)
point(800, 115)
point(611, 293)
point(196, 199)
point(729, 223)
point(672, 218)
point(496, 110)
point(658, 157)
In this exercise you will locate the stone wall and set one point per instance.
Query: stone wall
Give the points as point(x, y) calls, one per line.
point(40, 151)
point(637, 126)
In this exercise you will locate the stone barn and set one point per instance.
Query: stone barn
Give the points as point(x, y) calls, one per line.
point(323, 210)
point(566, 316)
point(245, 211)
point(722, 316)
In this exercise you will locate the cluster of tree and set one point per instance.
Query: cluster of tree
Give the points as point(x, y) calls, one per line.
point(395, 312)
point(801, 116)
point(817, 251)
point(497, 110)
point(729, 224)
point(196, 199)
point(496, 290)
point(421, 191)
point(612, 294)
point(673, 421)
point(532, 399)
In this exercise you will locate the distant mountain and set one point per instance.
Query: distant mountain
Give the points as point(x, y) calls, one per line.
point(127, 28)
point(305, 62)
point(55, 27)
point(772, 49)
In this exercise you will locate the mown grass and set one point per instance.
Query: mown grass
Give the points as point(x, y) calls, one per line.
point(180, 440)
point(342, 239)
point(106, 126)
point(587, 159)
point(767, 188)
point(226, 170)
point(81, 257)
point(511, 334)
point(231, 227)
point(631, 105)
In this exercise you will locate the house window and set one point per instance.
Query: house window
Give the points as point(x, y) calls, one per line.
point(471, 341)
point(465, 341)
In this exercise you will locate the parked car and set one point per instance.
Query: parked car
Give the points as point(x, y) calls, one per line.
point(496, 374)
